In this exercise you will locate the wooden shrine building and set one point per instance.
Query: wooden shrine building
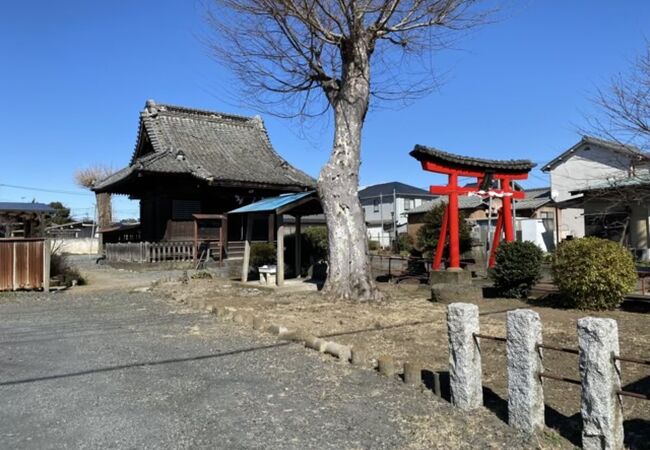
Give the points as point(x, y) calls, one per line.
point(190, 164)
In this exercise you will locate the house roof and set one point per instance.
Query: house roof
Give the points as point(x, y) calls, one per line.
point(464, 202)
point(614, 184)
point(281, 203)
point(421, 152)
point(26, 207)
point(627, 150)
point(221, 149)
point(387, 189)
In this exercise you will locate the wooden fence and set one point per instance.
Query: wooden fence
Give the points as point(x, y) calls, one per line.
point(24, 264)
point(142, 252)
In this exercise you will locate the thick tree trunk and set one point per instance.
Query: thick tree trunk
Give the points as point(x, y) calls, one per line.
point(349, 275)
point(104, 210)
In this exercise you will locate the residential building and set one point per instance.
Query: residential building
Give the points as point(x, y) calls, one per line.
point(385, 207)
point(588, 164)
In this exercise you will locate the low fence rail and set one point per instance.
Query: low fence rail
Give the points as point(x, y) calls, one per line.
point(146, 252)
point(600, 371)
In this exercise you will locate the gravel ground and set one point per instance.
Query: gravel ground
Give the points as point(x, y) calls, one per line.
point(93, 368)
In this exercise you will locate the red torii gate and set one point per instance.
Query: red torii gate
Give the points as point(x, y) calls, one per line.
point(485, 171)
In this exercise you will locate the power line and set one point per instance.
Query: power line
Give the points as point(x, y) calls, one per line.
point(29, 188)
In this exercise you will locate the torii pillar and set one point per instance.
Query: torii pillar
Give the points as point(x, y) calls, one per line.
point(486, 172)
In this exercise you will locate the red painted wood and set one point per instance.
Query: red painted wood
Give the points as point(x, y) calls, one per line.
point(454, 241)
point(496, 239)
point(440, 248)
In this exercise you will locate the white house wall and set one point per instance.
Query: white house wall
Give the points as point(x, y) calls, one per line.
point(583, 169)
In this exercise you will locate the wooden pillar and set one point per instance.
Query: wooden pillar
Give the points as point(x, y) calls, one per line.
point(196, 240)
point(224, 241)
point(46, 265)
point(271, 227)
point(454, 242)
point(440, 248)
point(507, 210)
point(298, 245)
point(247, 248)
point(279, 277)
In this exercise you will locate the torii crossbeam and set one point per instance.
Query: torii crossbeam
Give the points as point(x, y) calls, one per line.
point(486, 172)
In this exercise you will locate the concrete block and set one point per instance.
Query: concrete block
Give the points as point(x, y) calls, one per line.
point(602, 414)
point(525, 392)
point(387, 366)
point(450, 277)
point(342, 352)
point(360, 356)
point(412, 373)
point(465, 375)
point(314, 342)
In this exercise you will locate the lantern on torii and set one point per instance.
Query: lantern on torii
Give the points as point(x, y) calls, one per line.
point(493, 178)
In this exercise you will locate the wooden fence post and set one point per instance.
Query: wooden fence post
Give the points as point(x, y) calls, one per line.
point(46, 265)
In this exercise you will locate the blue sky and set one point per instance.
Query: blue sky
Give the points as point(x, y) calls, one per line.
point(75, 74)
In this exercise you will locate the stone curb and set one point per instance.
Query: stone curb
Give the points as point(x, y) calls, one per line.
point(359, 356)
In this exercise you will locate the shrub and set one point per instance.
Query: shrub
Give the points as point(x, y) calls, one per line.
point(593, 273)
point(373, 245)
point(315, 242)
point(428, 233)
point(60, 268)
point(262, 253)
point(518, 267)
point(405, 242)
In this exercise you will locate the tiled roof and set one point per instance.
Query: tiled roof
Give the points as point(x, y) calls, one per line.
point(26, 207)
point(464, 202)
point(421, 152)
point(629, 150)
point(222, 149)
point(387, 189)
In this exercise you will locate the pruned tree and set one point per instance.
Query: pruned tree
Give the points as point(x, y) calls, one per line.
point(87, 178)
point(310, 56)
point(622, 109)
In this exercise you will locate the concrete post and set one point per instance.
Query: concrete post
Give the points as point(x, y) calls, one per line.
point(464, 356)
point(525, 393)
point(279, 280)
point(602, 414)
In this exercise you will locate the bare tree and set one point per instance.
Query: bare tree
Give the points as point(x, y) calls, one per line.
point(87, 178)
point(623, 108)
point(315, 55)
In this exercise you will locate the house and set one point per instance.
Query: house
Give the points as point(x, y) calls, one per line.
point(19, 219)
point(190, 162)
point(588, 164)
point(385, 206)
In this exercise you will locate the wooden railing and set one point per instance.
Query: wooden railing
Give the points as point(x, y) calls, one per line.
point(142, 252)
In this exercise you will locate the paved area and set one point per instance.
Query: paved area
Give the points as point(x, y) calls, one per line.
point(123, 369)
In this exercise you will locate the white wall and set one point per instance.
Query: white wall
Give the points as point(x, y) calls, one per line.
point(588, 166)
point(76, 246)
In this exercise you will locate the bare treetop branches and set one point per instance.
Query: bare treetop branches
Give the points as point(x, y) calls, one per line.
point(298, 52)
point(624, 107)
point(90, 175)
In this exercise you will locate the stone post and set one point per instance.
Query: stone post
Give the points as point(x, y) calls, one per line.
point(464, 356)
point(525, 393)
point(602, 414)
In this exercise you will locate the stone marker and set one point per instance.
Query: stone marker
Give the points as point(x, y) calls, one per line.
point(464, 356)
point(342, 352)
point(525, 393)
point(314, 342)
point(387, 366)
point(412, 373)
point(359, 356)
point(602, 415)
point(278, 330)
point(258, 323)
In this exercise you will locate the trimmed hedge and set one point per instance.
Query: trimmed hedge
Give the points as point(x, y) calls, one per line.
point(518, 267)
point(593, 273)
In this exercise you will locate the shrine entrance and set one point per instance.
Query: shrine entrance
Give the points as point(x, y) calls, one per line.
point(493, 178)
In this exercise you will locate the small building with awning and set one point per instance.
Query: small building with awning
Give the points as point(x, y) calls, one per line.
point(272, 211)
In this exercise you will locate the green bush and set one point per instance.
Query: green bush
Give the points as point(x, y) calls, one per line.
point(373, 245)
point(405, 242)
point(429, 232)
point(593, 273)
point(315, 242)
point(518, 267)
point(262, 253)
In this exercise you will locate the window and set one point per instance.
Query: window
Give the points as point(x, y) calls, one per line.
point(408, 204)
point(375, 205)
